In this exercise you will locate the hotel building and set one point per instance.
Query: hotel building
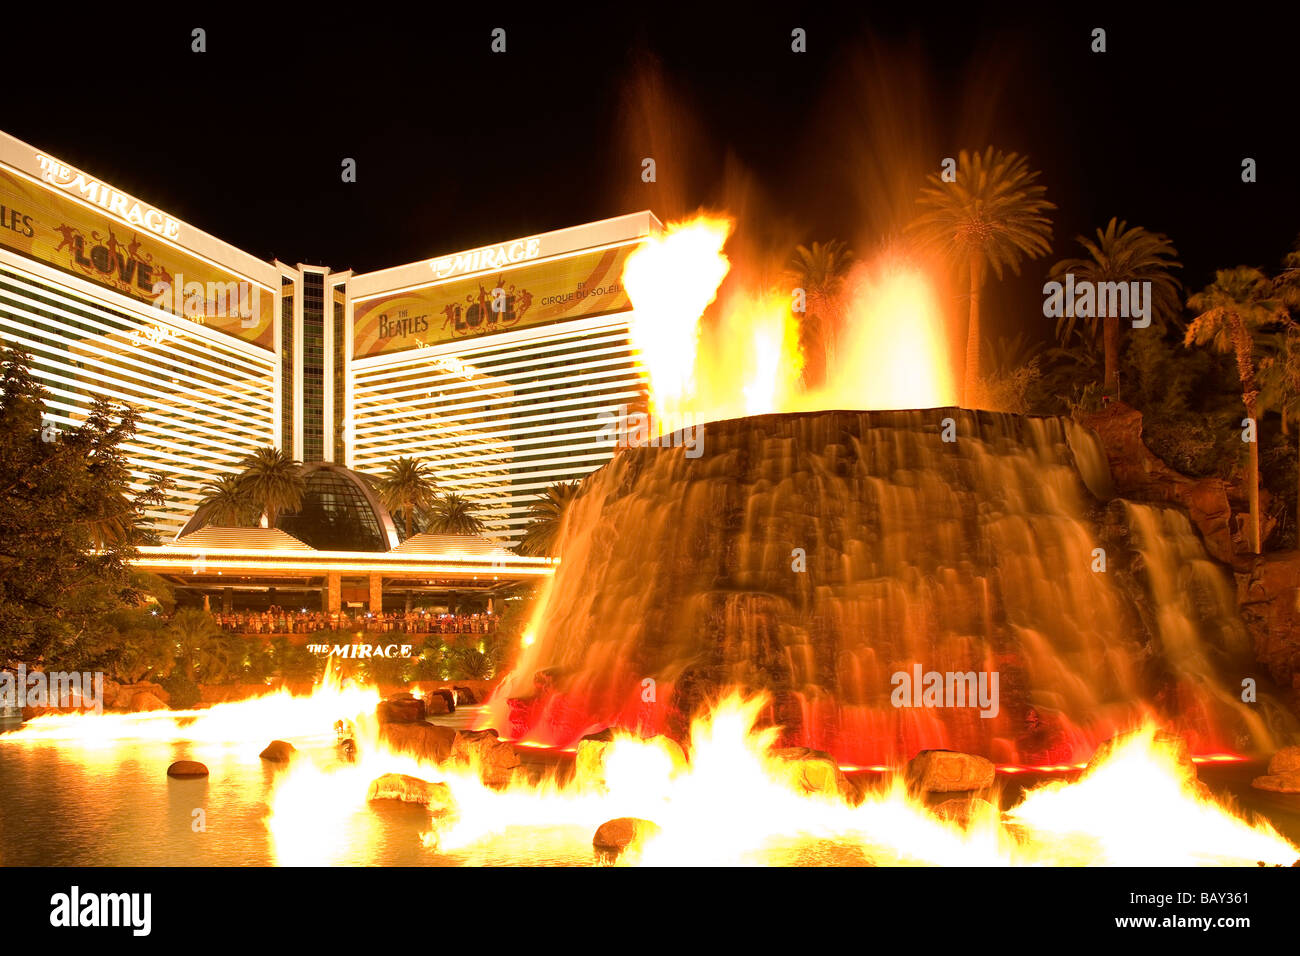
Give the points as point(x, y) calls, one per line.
point(494, 364)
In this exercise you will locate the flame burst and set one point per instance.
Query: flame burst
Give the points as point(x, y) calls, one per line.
point(666, 329)
point(733, 801)
point(890, 349)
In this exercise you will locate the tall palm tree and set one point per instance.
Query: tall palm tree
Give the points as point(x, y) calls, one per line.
point(1230, 313)
point(1121, 254)
point(407, 486)
point(1280, 371)
point(546, 514)
point(1279, 380)
point(273, 481)
point(452, 514)
point(819, 270)
point(991, 217)
point(228, 504)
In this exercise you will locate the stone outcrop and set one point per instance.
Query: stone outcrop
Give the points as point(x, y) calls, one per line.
point(615, 837)
point(423, 741)
point(187, 768)
point(145, 701)
point(1283, 772)
point(407, 789)
point(1278, 782)
point(812, 771)
point(1285, 760)
point(964, 810)
point(589, 762)
point(278, 751)
point(493, 758)
point(402, 709)
point(1269, 596)
point(118, 696)
point(1139, 474)
point(949, 771)
point(440, 701)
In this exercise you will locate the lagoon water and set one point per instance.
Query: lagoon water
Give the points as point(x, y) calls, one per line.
point(70, 804)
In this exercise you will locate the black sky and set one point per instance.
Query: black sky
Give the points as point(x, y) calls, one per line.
point(457, 146)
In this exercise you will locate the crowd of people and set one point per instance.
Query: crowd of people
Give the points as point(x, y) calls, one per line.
point(277, 620)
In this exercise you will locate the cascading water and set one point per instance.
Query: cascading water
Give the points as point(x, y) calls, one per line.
point(817, 555)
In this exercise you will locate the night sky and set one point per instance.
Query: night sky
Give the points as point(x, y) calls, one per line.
point(458, 147)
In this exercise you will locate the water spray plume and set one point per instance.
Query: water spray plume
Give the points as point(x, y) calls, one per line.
point(892, 350)
point(671, 280)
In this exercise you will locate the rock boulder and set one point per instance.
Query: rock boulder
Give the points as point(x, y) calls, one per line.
point(615, 837)
point(424, 741)
point(399, 786)
point(949, 771)
point(278, 751)
point(145, 701)
point(483, 750)
point(187, 768)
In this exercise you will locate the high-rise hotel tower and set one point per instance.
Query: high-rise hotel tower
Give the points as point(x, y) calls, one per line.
point(493, 364)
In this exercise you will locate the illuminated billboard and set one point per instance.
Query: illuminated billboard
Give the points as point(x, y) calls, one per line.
point(579, 286)
point(58, 223)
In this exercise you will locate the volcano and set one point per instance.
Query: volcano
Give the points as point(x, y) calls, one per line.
point(816, 557)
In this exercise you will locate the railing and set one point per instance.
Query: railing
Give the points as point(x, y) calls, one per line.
point(279, 625)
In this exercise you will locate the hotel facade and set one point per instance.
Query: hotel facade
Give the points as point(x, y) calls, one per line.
point(494, 364)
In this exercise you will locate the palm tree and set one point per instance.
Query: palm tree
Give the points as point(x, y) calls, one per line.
point(1280, 370)
point(273, 481)
point(1125, 255)
point(991, 216)
point(1279, 380)
point(819, 270)
point(194, 633)
point(115, 525)
point(452, 514)
point(546, 514)
point(1230, 311)
point(407, 486)
point(227, 502)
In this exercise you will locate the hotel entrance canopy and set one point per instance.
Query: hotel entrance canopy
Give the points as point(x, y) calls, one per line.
point(218, 559)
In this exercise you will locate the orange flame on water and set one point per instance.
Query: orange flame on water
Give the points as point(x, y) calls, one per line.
point(728, 798)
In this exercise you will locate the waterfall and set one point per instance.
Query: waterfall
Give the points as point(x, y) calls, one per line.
point(816, 556)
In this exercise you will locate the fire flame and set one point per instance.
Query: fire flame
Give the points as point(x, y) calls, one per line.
point(666, 329)
point(891, 351)
point(734, 800)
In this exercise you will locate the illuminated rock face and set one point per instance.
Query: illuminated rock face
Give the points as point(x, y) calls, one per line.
point(817, 556)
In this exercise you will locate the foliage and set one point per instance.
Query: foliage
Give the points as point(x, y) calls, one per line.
point(452, 514)
point(819, 270)
point(991, 216)
point(182, 691)
point(546, 515)
point(272, 481)
point(69, 522)
point(228, 504)
point(1232, 312)
point(1124, 255)
point(407, 487)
